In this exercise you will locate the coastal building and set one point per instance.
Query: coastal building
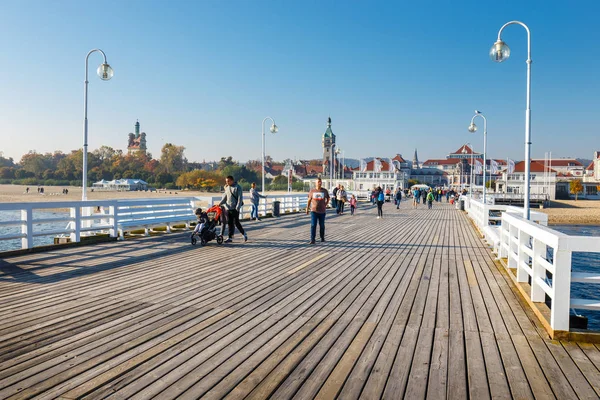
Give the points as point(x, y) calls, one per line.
point(591, 179)
point(564, 166)
point(543, 182)
point(137, 141)
point(120, 185)
point(386, 173)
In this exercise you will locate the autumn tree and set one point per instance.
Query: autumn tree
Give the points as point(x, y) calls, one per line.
point(576, 187)
point(172, 159)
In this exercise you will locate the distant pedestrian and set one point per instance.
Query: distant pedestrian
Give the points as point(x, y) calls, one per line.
point(398, 198)
point(27, 190)
point(341, 199)
point(232, 199)
point(318, 199)
point(254, 200)
point(334, 196)
point(416, 194)
point(352, 204)
point(380, 201)
point(430, 198)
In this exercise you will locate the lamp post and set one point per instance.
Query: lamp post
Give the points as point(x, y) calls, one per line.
point(498, 53)
point(471, 172)
point(470, 179)
point(463, 162)
point(273, 129)
point(105, 72)
point(332, 166)
point(473, 128)
point(337, 153)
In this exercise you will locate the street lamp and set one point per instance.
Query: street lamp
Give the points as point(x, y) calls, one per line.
point(105, 72)
point(463, 162)
point(273, 129)
point(473, 129)
point(471, 172)
point(332, 166)
point(498, 53)
point(337, 153)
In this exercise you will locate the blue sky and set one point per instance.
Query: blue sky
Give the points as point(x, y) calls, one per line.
point(394, 76)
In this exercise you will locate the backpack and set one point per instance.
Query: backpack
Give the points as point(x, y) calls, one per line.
point(381, 197)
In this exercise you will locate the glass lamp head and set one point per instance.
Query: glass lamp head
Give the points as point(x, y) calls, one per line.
point(472, 128)
point(499, 51)
point(105, 72)
point(274, 128)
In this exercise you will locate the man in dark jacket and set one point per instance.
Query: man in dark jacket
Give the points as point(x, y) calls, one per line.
point(232, 199)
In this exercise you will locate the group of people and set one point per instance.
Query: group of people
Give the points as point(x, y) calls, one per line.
point(318, 201)
point(340, 198)
point(427, 196)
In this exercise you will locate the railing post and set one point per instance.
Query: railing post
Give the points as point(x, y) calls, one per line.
point(537, 293)
point(75, 212)
point(486, 216)
point(27, 228)
point(114, 231)
point(561, 288)
point(522, 275)
point(504, 238)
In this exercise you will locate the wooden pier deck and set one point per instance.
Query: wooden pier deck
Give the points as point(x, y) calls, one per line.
point(409, 306)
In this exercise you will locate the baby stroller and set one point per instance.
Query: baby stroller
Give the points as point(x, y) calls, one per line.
point(211, 229)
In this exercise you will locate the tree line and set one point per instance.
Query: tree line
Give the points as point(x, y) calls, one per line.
point(171, 170)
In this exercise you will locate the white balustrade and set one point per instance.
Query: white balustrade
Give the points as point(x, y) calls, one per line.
point(74, 219)
point(534, 252)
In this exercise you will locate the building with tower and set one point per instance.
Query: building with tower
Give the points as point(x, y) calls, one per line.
point(137, 141)
point(328, 143)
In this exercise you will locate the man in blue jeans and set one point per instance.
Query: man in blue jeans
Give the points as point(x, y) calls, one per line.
point(318, 199)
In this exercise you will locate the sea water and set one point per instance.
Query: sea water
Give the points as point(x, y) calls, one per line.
point(7, 245)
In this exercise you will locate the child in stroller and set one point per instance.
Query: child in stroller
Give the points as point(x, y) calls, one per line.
point(206, 228)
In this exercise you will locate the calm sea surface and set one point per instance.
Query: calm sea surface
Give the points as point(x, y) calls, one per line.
point(6, 245)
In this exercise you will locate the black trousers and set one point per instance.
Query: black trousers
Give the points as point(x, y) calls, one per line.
point(233, 220)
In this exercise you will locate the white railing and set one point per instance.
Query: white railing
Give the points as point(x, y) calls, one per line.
point(74, 219)
point(534, 250)
point(488, 217)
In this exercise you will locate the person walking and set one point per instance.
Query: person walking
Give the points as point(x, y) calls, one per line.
point(380, 201)
point(318, 199)
point(398, 198)
point(232, 199)
point(430, 198)
point(416, 194)
point(352, 204)
point(341, 199)
point(254, 200)
point(334, 196)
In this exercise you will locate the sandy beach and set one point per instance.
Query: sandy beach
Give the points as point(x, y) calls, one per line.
point(571, 212)
point(18, 194)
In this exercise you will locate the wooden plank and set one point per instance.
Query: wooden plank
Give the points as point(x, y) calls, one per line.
point(419, 311)
point(590, 372)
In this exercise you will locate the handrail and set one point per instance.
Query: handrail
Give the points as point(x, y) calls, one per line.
point(536, 252)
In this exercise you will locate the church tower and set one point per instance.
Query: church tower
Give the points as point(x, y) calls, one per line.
point(328, 143)
point(415, 161)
